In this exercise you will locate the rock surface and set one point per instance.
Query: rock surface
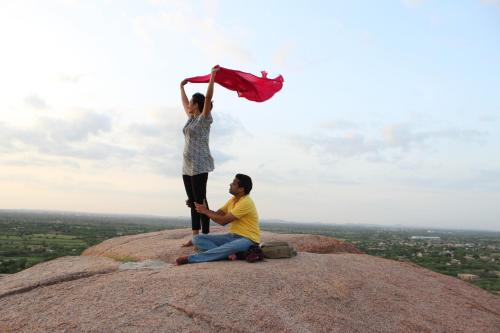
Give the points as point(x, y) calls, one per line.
point(55, 271)
point(166, 245)
point(334, 292)
point(146, 264)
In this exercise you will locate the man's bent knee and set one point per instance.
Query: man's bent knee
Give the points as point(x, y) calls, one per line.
point(200, 242)
point(197, 239)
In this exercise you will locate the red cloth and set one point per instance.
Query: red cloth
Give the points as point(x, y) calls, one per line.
point(249, 86)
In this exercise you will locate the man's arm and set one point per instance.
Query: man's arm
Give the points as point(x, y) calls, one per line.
point(218, 217)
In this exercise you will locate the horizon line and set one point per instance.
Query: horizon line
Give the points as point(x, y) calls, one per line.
point(265, 221)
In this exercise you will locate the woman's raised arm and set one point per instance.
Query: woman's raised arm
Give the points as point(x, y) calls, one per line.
point(210, 92)
point(185, 100)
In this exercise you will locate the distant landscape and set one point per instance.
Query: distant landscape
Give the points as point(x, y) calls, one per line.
point(30, 237)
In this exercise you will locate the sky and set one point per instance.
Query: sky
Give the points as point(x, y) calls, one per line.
point(389, 113)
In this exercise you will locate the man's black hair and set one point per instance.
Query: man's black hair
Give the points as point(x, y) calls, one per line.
point(245, 182)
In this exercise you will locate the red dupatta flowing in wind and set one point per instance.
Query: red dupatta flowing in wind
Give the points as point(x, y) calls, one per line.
point(249, 86)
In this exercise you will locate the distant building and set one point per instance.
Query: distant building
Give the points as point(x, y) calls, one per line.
point(447, 253)
point(467, 277)
point(426, 237)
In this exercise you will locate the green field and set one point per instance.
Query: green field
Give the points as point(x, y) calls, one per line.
point(28, 238)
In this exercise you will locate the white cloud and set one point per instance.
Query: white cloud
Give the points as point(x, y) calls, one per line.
point(71, 3)
point(339, 124)
point(226, 127)
point(491, 2)
point(413, 3)
point(223, 46)
point(485, 180)
point(79, 127)
point(35, 102)
point(347, 145)
point(221, 157)
point(283, 53)
point(487, 118)
point(155, 145)
point(207, 35)
point(29, 161)
point(403, 136)
point(393, 139)
point(71, 137)
point(71, 78)
point(160, 142)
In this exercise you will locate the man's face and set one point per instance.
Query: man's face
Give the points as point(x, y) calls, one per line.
point(234, 187)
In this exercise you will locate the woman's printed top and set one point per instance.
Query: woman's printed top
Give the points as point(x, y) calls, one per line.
point(197, 157)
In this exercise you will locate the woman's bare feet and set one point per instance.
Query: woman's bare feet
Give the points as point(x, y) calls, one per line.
point(232, 257)
point(188, 243)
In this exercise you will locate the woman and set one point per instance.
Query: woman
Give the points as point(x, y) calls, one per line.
point(198, 161)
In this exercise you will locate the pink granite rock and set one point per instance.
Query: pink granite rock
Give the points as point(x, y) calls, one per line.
point(55, 271)
point(166, 245)
point(335, 292)
point(312, 243)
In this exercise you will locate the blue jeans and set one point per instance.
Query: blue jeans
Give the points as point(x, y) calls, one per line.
point(217, 247)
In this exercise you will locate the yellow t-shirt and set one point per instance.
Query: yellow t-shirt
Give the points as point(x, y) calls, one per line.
point(247, 219)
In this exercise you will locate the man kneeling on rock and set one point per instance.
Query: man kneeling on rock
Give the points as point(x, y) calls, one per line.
point(244, 230)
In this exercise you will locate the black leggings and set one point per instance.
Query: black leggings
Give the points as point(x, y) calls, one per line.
point(196, 190)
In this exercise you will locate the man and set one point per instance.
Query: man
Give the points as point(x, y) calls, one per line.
point(244, 230)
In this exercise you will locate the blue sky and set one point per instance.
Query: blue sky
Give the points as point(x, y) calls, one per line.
point(389, 112)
